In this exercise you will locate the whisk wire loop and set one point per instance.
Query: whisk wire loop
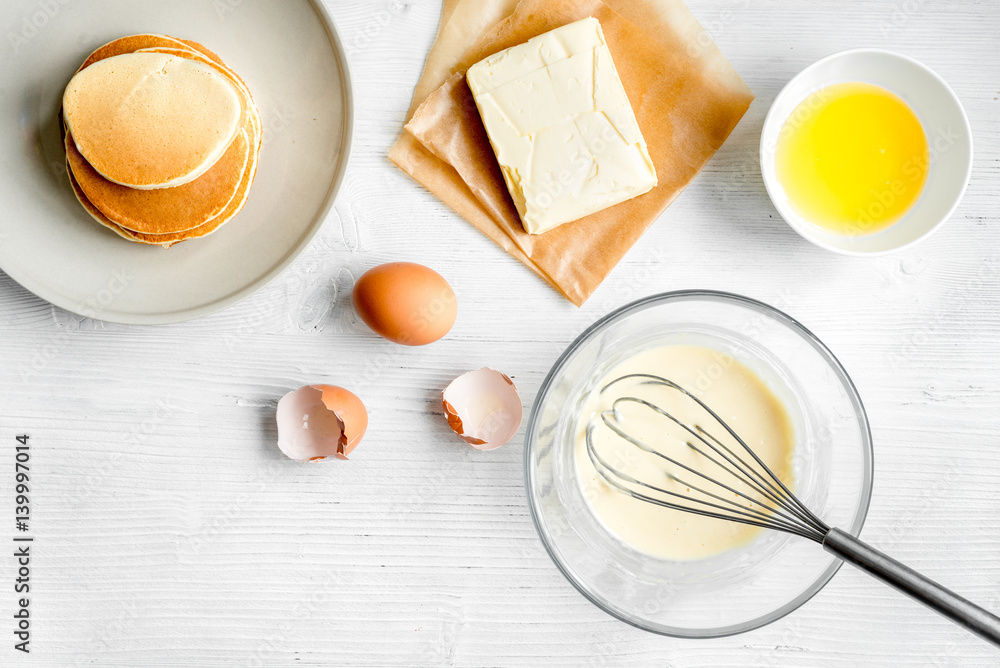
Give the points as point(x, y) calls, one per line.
point(616, 477)
point(793, 503)
point(650, 379)
point(777, 508)
point(607, 416)
point(750, 476)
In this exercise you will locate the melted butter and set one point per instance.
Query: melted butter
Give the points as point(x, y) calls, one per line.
point(735, 393)
point(852, 158)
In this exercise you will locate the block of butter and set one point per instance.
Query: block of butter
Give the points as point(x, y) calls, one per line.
point(561, 126)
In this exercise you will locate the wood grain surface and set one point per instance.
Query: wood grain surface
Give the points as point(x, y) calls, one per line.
point(170, 531)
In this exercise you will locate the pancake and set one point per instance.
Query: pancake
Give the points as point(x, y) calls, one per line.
point(131, 44)
point(168, 240)
point(251, 125)
point(200, 48)
point(184, 48)
point(172, 45)
point(94, 212)
point(226, 72)
point(165, 210)
point(151, 120)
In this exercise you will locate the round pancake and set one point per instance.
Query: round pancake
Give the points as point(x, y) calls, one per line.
point(226, 72)
point(254, 132)
point(165, 210)
point(152, 42)
point(149, 41)
point(201, 48)
point(152, 120)
point(168, 240)
point(95, 213)
point(184, 48)
point(131, 44)
point(252, 125)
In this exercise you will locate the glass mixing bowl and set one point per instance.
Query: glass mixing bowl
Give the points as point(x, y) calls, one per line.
point(748, 586)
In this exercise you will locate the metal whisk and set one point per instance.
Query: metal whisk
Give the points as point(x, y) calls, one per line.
point(757, 497)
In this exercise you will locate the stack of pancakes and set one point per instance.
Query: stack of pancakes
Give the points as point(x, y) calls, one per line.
point(161, 139)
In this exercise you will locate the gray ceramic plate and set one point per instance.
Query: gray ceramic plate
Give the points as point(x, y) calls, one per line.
point(295, 65)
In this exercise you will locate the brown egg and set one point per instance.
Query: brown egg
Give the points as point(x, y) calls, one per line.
point(320, 421)
point(406, 302)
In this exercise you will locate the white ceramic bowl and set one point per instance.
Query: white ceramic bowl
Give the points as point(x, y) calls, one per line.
point(296, 68)
point(945, 124)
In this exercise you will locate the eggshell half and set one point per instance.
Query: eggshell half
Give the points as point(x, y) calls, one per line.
point(320, 421)
point(483, 408)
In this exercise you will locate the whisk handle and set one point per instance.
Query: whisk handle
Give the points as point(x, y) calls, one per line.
point(941, 599)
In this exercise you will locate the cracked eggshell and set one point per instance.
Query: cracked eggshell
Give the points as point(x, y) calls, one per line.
point(483, 408)
point(320, 421)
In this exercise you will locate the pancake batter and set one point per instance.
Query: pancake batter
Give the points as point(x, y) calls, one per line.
point(735, 393)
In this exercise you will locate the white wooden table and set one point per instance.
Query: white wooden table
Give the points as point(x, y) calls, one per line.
point(170, 530)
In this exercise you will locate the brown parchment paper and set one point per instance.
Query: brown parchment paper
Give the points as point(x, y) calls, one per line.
point(463, 23)
point(686, 97)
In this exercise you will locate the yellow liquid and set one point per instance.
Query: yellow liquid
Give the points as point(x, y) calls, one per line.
point(852, 158)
